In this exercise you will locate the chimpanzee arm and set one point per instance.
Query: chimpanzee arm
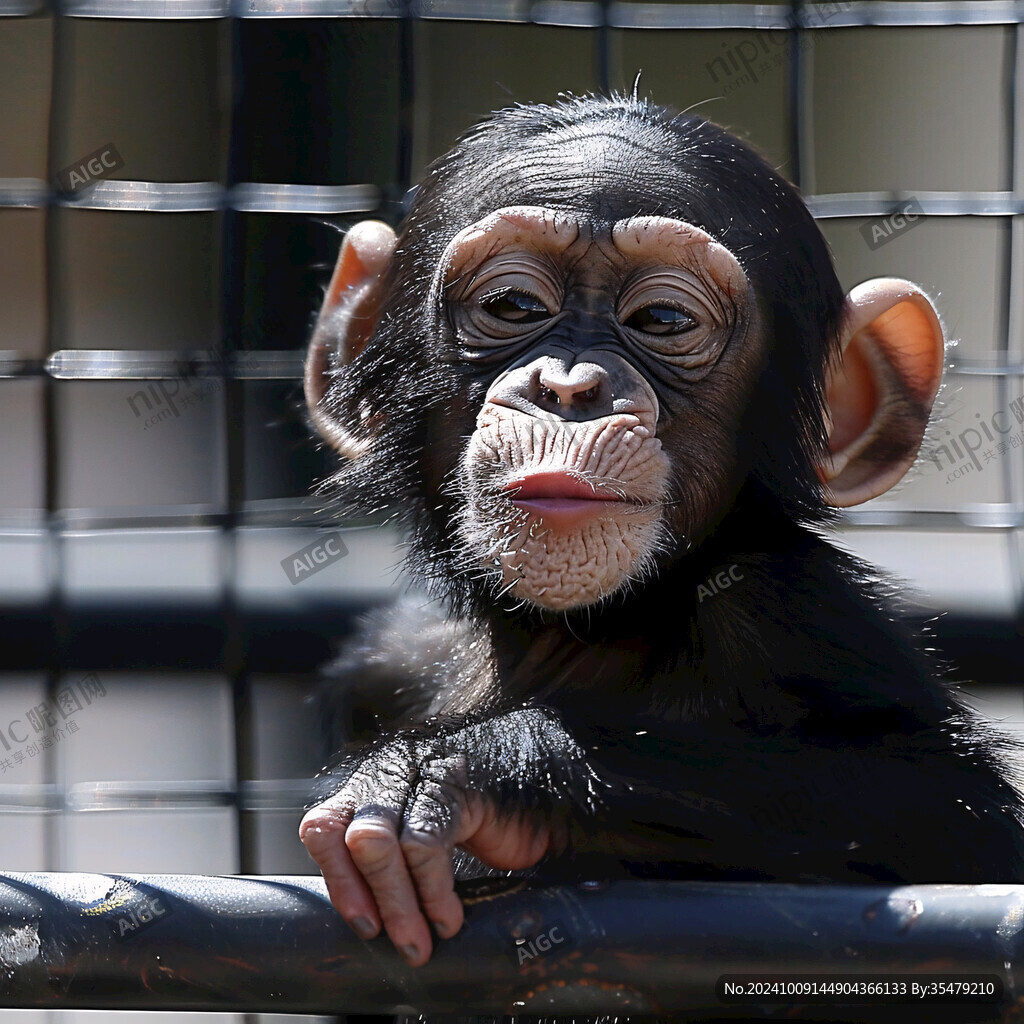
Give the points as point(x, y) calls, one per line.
point(501, 788)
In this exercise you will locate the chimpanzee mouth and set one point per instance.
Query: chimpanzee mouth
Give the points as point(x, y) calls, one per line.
point(561, 499)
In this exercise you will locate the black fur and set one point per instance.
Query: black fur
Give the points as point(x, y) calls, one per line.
point(786, 727)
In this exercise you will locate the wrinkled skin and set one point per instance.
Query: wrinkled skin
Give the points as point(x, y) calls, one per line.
point(568, 429)
point(402, 813)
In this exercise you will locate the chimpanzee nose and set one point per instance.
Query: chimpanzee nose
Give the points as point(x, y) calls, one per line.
point(581, 391)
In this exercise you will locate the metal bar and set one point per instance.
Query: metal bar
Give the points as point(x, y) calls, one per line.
point(941, 204)
point(267, 197)
point(629, 14)
point(267, 364)
point(302, 512)
point(275, 944)
point(833, 14)
point(800, 99)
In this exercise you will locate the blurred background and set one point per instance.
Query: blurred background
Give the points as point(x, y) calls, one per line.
point(174, 178)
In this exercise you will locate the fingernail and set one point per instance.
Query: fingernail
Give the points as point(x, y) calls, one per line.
point(410, 953)
point(363, 927)
point(443, 931)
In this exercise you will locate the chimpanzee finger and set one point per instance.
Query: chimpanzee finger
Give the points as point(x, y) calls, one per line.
point(323, 831)
point(439, 817)
point(372, 843)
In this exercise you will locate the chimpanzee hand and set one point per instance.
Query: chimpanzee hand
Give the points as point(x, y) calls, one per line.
point(384, 839)
point(384, 843)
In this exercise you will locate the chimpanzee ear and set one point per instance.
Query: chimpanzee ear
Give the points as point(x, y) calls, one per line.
point(347, 319)
point(880, 393)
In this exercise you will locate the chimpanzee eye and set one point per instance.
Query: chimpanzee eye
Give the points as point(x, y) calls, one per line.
point(661, 320)
point(516, 307)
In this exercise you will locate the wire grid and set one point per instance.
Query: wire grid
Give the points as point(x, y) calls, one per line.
point(326, 200)
point(246, 197)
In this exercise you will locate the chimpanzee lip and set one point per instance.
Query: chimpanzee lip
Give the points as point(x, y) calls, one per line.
point(559, 486)
point(563, 501)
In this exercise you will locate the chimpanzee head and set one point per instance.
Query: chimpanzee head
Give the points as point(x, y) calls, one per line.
point(601, 327)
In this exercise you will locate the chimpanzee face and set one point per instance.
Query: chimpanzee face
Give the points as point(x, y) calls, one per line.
point(597, 328)
point(596, 342)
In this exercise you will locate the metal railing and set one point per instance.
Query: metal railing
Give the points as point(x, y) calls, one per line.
point(630, 948)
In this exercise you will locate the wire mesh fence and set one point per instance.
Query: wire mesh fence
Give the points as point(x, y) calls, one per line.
point(173, 183)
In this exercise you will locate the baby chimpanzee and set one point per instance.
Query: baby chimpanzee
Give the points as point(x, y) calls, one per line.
point(607, 378)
